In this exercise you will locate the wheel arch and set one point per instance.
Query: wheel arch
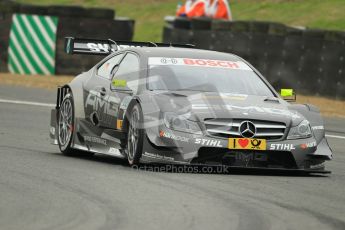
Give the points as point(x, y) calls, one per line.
point(125, 123)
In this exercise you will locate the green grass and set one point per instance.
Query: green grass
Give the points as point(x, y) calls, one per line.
point(149, 14)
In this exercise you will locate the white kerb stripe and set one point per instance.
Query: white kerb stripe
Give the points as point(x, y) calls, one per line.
point(43, 31)
point(38, 42)
point(26, 103)
point(51, 24)
point(10, 68)
point(335, 136)
point(22, 54)
point(29, 47)
point(15, 60)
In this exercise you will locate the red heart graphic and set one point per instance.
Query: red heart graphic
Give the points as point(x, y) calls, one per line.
point(243, 142)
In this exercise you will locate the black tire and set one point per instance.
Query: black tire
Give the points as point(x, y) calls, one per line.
point(135, 135)
point(66, 109)
point(65, 145)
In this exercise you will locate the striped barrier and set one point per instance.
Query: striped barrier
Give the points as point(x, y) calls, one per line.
point(32, 44)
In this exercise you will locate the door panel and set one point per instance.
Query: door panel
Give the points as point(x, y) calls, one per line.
point(96, 103)
point(98, 110)
point(125, 82)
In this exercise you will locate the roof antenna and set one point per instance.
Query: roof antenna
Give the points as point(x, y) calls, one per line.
point(154, 44)
point(114, 42)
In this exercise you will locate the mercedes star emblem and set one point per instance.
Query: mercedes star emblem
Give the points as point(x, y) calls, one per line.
point(247, 129)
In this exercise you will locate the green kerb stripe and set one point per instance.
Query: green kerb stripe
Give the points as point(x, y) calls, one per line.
point(49, 30)
point(35, 46)
point(15, 57)
point(39, 35)
point(13, 66)
point(32, 44)
point(28, 58)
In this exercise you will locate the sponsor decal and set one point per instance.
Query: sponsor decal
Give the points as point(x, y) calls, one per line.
point(308, 145)
point(321, 165)
point(169, 61)
point(321, 127)
point(119, 124)
point(247, 156)
point(125, 102)
point(247, 143)
point(113, 150)
point(96, 140)
point(208, 142)
point(282, 147)
point(99, 47)
point(173, 136)
point(236, 65)
point(160, 157)
point(105, 106)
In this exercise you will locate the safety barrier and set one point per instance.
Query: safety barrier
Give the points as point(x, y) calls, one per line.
point(32, 37)
point(310, 61)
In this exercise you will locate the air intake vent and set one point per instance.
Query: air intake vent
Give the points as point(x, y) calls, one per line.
point(231, 128)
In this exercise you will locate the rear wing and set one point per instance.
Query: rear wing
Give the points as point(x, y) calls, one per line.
point(106, 47)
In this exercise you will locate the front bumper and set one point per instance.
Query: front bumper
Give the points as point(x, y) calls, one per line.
point(176, 147)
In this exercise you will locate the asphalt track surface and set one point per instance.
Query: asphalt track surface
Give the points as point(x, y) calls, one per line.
point(42, 189)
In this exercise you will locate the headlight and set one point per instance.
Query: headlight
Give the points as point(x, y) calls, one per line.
point(181, 123)
point(301, 131)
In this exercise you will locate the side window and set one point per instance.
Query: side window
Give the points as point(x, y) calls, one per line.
point(105, 69)
point(128, 72)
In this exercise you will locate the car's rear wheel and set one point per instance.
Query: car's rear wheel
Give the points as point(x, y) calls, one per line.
point(135, 136)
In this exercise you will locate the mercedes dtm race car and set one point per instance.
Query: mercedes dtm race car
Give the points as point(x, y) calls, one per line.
point(166, 103)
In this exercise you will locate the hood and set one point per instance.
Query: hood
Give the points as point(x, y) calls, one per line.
point(207, 105)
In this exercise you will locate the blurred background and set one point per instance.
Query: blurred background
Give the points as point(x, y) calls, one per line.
point(297, 44)
point(148, 14)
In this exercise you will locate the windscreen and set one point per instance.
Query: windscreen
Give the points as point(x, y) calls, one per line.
point(179, 74)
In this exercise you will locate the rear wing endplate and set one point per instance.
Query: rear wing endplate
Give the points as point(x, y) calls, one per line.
point(108, 46)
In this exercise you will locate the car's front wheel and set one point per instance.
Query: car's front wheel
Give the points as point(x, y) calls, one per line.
point(135, 136)
point(66, 124)
point(66, 128)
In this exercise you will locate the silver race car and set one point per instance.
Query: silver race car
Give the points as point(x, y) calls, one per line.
point(166, 103)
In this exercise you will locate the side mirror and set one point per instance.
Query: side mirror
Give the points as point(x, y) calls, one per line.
point(120, 84)
point(288, 95)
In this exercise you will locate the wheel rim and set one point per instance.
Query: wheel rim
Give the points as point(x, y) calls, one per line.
point(133, 136)
point(65, 123)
